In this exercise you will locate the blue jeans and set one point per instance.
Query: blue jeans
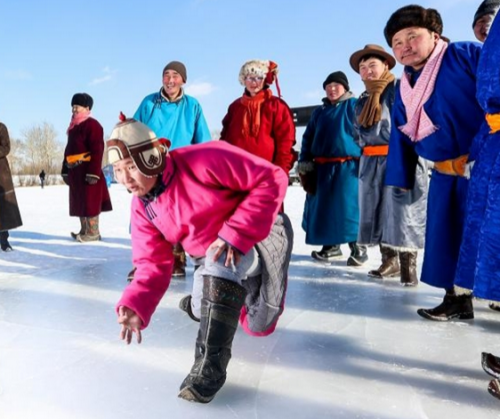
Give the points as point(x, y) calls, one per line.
point(249, 265)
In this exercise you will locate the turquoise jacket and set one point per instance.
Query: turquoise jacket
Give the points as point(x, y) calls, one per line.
point(182, 122)
point(331, 215)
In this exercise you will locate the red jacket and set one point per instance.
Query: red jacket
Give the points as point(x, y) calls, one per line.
point(276, 136)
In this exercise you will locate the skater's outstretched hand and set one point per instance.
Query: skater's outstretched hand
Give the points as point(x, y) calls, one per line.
point(131, 323)
point(220, 246)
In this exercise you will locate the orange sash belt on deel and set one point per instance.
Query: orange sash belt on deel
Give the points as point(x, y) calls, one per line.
point(78, 158)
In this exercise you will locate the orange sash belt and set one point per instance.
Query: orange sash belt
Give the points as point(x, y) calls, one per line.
point(453, 167)
point(376, 150)
point(323, 160)
point(493, 121)
point(78, 158)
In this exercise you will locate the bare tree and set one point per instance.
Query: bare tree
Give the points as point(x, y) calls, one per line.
point(42, 150)
point(16, 156)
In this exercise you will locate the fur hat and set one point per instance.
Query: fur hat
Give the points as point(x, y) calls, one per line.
point(178, 67)
point(371, 50)
point(82, 99)
point(131, 138)
point(487, 7)
point(337, 77)
point(412, 15)
point(260, 68)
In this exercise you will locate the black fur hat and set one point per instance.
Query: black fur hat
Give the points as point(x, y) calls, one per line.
point(412, 15)
point(82, 99)
point(487, 7)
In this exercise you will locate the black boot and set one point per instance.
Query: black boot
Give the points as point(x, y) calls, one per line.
point(358, 255)
point(327, 253)
point(390, 264)
point(185, 306)
point(494, 388)
point(4, 241)
point(453, 307)
point(408, 262)
point(220, 310)
point(491, 364)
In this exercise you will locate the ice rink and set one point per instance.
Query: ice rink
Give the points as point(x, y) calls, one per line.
point(347, 346)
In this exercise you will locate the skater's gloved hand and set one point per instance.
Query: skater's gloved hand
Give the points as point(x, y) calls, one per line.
point(220, 246)
point(131, 323)
point(91, 179)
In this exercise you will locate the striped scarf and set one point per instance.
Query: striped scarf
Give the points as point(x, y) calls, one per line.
point(419, 124)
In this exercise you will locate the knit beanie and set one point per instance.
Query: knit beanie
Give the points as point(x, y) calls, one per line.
point(82, 99)
point(487, 7)
point(178, 67)
point(412, 15)
point(131, 138)
point(337, 77)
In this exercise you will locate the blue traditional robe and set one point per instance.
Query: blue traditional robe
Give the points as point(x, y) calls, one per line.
point(331, 215)
point(479, 263)
point(456, 114)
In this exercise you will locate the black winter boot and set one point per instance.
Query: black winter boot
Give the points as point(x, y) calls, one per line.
point(220, 310)
point(453, 307)
point(390, 264)
point(358, 255)
point(185, 306)
point(327, 253)
point(491, 364)
point(408, 262)
point(4, 241)
point(494, 388)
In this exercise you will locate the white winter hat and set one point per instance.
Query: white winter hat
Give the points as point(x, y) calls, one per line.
point(259, 68)
point(131, 138)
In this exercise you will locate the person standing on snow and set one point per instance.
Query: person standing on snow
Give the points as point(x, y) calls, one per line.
point(259, 122)
point(175, 194)
point(172, 114)
point(82, 169)
point(393, 220)
point(10, 217)
point(42, 178)
point(328, 169)
point(435, 116)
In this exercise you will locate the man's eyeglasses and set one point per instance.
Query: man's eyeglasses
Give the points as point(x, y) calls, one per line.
point(254, 79)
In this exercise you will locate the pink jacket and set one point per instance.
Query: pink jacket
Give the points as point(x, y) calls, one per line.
point(212, 190)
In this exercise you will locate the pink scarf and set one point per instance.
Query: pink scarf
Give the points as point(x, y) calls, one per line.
point(78, 118)
point(419, 124)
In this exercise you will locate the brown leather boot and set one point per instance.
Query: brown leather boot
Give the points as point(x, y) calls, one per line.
point(179, 262)
point(390, 263)
point(408, 262)
point(91, 230)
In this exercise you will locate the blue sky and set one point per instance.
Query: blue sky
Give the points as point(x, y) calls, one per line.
point(116, 50)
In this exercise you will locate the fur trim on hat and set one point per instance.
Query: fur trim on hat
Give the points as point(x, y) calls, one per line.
point(131, 138)
point(258, 68)
point(410, 16)
point(82, 99)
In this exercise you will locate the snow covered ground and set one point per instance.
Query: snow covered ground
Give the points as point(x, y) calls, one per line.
point(347, 346)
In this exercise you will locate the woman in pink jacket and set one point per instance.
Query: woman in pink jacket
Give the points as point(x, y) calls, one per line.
point(218, 202)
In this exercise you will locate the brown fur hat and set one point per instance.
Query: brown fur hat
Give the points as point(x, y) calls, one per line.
point(410, 16)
